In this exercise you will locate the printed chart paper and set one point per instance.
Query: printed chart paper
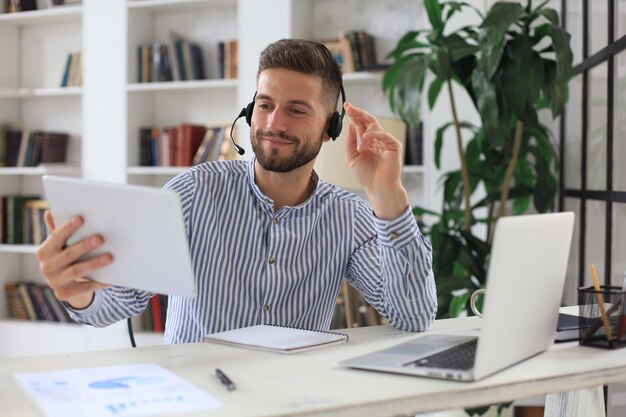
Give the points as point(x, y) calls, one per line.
point(124, 391)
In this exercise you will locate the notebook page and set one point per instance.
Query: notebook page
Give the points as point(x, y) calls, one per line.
point(276, 338)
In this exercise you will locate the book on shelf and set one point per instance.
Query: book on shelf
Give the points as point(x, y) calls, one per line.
point(215, 146)
point(24, 148)
point(53, 147)
point(186, 58)
point(189, 138)
point(354, 50)
point(228, 59)
point(22, 290)
point(35, 229)
point(155, 314)
point(278, 339)
point(15, 6)
point(414, 147)
point(160, 69)
point(154, 63)
point(42, 310)
point(14, 218)
point(72, 75)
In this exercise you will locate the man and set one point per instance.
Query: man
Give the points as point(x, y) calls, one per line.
point(270, 242)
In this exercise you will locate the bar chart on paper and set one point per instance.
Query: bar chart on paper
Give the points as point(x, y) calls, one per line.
point(135, 390)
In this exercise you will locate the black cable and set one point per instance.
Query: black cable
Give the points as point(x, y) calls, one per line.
point(131, 334)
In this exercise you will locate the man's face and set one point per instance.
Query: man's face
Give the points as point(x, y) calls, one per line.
point(289, 120)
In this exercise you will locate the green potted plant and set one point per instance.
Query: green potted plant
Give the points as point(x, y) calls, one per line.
point(513, 65)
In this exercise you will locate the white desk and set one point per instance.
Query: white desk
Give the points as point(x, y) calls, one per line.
point(310, 383)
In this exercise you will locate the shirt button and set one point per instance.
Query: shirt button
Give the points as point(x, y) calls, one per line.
point(275, 220)
point(271, 260)
point(266, 308)
point(393, 235)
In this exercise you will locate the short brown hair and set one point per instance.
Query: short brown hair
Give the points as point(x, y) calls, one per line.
point(306, 57)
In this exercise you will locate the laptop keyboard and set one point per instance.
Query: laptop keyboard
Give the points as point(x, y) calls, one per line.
point(457, 357)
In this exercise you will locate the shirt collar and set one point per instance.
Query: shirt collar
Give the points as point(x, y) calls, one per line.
point(265, 200)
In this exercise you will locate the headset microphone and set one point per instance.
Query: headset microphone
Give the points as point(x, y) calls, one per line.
point(238, 148)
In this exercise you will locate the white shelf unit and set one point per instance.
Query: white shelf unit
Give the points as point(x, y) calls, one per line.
point(111, 106)
point(172, 103)
point(34, 50)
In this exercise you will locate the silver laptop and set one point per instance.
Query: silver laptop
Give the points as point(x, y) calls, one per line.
point(142, 228)
point(524, 287)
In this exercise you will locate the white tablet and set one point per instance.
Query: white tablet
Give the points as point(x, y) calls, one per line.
point(142, 228)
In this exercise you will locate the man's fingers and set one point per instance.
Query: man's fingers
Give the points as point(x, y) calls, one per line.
point(73, 273)
point(47, 216)
point(63, 268)
point(56, 240)
point(360, 117)
point(351, 146)
point(379, 141)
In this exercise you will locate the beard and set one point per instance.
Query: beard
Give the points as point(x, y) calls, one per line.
point(304, 151)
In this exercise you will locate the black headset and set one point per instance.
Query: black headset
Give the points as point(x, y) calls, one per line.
point(334, 124)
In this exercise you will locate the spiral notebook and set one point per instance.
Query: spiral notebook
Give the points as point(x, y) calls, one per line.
point(277, 338)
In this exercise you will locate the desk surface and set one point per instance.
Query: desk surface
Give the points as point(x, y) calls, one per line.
point(311, 383)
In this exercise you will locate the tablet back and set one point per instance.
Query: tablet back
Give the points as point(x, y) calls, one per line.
point(142, 228)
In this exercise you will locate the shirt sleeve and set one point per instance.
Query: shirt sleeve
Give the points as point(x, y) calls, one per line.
point(111, 305)
point(391, 267)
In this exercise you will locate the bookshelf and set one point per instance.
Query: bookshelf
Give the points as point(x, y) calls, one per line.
point(111, 106)
point(34, 50)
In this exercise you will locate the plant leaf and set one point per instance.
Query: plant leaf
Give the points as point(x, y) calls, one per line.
point(487, 104)
point(458, 304)
point(458, 47)
point(440, 63)
point(433, 8)
point(403, 82)
point(564, 57)
point(433, 92)
point(551, 15)
point(494, 28)
point(502, 15)
point(457, 5)
point(439, 139)
point(518, 75)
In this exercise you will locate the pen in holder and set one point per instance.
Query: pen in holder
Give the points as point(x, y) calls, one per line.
point(601, 317)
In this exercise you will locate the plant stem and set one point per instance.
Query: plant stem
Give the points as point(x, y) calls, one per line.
point(506, 184)
point(490, 227)
point(464, 173)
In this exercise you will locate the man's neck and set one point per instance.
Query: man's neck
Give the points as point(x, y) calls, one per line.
point(285, 188)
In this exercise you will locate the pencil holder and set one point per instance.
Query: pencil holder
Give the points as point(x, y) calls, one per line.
point(602, 321)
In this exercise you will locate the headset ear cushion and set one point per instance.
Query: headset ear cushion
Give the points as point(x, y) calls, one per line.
point(249, 110)
point(334, 126)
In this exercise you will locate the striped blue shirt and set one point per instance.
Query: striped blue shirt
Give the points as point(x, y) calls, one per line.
point(255, 265)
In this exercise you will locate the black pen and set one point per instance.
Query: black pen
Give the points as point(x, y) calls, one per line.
point(230, 386)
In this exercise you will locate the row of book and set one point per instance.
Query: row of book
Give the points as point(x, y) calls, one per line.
point(32, 301)
point(354, 50)
point(153, 318)
point(183, 145)
point(73, 70)
point(183, 60)
point(21, 220)
point(24, 148)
